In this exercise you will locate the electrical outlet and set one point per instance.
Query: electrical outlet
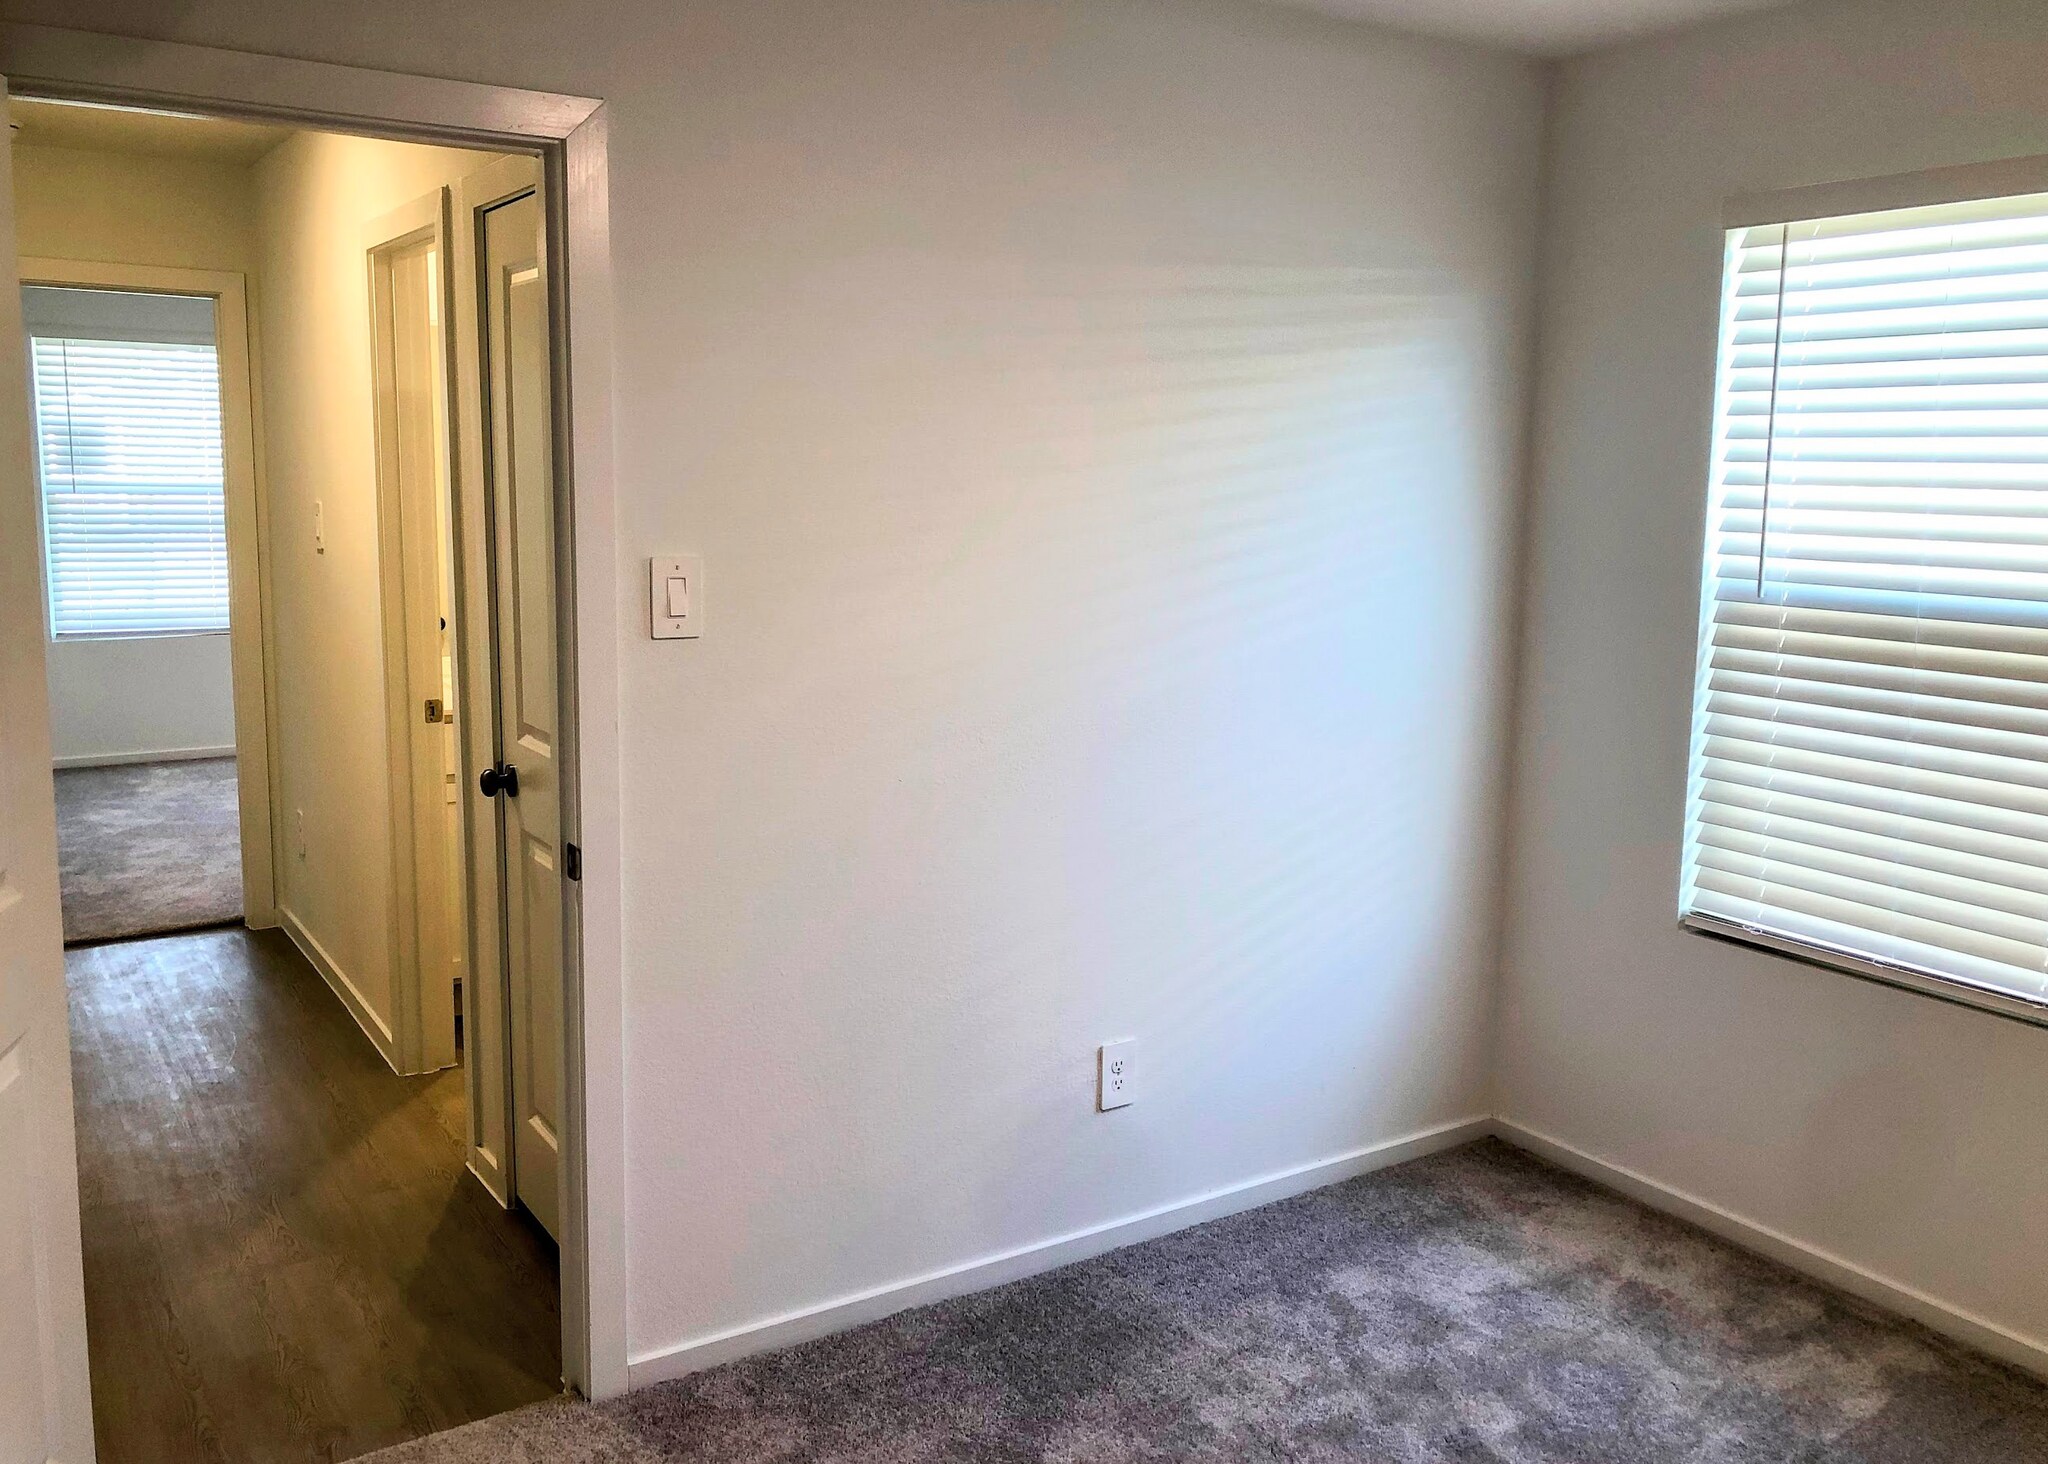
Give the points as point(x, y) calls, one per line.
point(1115, 1078)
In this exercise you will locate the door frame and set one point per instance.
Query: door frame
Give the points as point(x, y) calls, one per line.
point(568, 134)
point(249, 628)
point(423, 1009)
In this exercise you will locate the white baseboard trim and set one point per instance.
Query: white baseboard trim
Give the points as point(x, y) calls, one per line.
point(1982, 1333)
point(316, 955)
point(790, 1328)
point(122, 759)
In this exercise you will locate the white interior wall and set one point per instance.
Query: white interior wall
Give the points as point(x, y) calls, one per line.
point(119, 208)
point(316, 194)
point(117, 700)
point(1899, 1134)
point(1104, 491)
point(1101, 426)
point(140, 698)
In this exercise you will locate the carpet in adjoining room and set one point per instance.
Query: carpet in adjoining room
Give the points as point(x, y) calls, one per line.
point(145, 848)
point(1477, 1305)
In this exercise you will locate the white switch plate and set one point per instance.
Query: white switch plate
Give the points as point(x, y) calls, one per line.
point(675, 596)
point(1115, 1076)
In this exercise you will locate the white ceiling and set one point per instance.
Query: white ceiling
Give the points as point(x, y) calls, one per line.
point(154, 134)
point(1548, 27)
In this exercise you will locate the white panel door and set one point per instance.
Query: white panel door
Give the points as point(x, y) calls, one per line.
point(45, 1398)
point(513, 260)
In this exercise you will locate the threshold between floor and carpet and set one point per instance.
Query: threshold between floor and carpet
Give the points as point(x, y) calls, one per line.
point(1477, 1304)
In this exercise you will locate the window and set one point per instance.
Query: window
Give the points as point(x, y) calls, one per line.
point(128, 447)
point(1869, 779)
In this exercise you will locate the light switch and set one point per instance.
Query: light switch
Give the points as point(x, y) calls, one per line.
point(675, 597)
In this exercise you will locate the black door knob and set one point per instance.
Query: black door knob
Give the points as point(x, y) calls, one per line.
point(504, 778)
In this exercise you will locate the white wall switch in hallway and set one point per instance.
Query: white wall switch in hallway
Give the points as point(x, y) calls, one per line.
point(1114, 1075)
point(675, 597)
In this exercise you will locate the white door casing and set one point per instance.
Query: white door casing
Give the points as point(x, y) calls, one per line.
point(249, 633)
point(408, 316)
point(571, 134)
point(45, 1394)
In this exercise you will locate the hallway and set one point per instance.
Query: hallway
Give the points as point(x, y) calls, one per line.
point(284, 1258)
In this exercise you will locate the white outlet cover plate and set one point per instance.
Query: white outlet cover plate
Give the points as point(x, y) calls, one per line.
point(1115, 1075)
point(675, 596)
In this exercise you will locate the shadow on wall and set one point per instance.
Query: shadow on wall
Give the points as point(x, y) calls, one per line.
point(1143, 622)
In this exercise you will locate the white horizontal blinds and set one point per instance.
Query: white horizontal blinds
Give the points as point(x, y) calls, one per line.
point(1870, 751)
point(128, 438)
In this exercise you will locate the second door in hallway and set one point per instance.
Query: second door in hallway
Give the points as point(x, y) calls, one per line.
point(519, 453)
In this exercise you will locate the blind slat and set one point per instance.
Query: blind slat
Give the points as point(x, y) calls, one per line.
point(1917, 840)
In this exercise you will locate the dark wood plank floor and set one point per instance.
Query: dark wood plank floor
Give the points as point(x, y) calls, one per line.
point(284, 1258)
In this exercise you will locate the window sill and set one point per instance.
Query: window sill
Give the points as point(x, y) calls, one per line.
point(69, 638)
point(1905, 978)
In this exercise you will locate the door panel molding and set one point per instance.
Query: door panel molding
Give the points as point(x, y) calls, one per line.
point(570, 136)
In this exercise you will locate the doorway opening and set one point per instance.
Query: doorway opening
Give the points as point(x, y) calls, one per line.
point(130, 456)
point(293, 401)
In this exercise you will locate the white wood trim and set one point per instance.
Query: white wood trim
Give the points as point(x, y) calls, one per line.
point(125, 759)
point(337, 980)
point(790, 1328)
point(249, 645)
point(497, 181)
point(2030, 1353)
point(402, 937)
point(425, 1039)
point(570, 134)
point(421, 218)
point(594, 1306)
point(43, 60)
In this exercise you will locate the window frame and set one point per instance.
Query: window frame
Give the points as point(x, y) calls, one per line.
point(51, 631)
point(1999, 178)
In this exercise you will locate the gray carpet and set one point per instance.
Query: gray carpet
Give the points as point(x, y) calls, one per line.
point(148, 847)
point(1473, 1306)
